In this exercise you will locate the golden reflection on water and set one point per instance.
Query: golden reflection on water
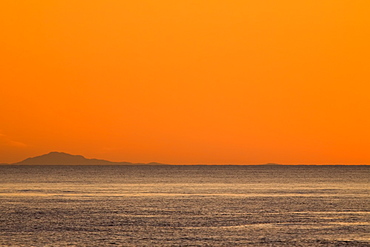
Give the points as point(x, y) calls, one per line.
point(185, 206)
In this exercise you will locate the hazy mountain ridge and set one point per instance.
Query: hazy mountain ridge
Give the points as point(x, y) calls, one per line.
point(60, 158)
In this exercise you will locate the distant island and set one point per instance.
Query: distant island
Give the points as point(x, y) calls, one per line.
point(61, 158)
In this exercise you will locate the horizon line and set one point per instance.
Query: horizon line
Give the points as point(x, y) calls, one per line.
point(155, 163)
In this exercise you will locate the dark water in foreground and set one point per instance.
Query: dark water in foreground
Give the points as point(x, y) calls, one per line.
point(185, 205)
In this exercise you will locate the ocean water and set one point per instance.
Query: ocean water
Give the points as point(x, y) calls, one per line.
point(185, 205)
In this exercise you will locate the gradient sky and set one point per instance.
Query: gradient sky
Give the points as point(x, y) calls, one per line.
point(185, 82)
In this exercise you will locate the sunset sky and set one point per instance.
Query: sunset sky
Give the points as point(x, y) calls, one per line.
point(187, 81)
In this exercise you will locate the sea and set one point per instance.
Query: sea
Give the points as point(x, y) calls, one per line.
point(267, 205)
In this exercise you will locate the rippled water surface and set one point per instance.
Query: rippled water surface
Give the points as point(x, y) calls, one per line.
point(185, 205)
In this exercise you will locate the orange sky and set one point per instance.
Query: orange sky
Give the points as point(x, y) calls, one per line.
point(184, 82)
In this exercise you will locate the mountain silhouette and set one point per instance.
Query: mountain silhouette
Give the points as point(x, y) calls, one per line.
point(60, 158)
